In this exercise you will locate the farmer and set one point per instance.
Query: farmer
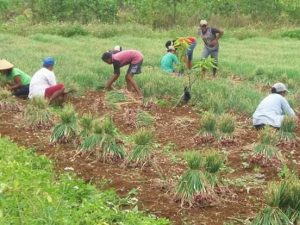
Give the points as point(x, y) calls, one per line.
point(191, 44)
point(43, 83)
point(132, 58)
point(210, 37)
point(272, 108)
point(168, 60)
point(21, 80)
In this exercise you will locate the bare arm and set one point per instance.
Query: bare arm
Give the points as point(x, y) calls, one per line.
point(17, 84)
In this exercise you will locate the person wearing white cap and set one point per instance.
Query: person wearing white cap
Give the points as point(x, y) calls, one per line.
point(168, 60)
point(21, 80)
point(210, 37)
point(271, 109)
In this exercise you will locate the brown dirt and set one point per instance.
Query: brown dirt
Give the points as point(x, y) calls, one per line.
point(156, 187)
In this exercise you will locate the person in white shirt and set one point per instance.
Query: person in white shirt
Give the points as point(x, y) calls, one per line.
point(272, 109)
point(43, 83)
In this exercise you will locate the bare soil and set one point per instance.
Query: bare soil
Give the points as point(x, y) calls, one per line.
point(178, 127)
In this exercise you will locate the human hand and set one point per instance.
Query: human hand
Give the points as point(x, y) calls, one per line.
point(213, 43)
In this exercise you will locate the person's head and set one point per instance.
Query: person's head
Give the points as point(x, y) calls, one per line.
point(107, 57)
point(5, 67)
point(279, 88)
point(170, 43)
point(171, 49)
point(48, 63)
point(203, 25)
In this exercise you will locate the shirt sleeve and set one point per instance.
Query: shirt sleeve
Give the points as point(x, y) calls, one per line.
point(215, 31)
point(117, 67)
point(286, 108)
point(51, 79)
point(175, 59)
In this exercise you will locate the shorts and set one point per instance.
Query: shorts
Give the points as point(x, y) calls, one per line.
point(51, 90)
point(22, 91)
point(190, 50)
point(135, 68)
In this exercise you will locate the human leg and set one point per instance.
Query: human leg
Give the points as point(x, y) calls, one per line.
point(214, 55)
point(189, 54)
point(55, 93)
point(204, 54)
point(131, 82)
point(22, 92)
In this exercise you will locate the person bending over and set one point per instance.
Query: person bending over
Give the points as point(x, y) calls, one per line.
point(133, 58)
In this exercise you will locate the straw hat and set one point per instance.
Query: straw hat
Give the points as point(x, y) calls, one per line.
point(5, 65)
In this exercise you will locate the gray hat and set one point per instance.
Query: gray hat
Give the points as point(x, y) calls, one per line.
point(280, 87)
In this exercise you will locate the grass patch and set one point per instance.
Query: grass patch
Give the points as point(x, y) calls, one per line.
point(32, 194)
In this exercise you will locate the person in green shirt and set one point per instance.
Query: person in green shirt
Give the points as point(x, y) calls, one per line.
point(168, 60)
point(19, 80)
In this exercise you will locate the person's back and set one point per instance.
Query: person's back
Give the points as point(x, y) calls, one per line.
point(127, 57)
point(25, 78)
point(167, 62)
point(41, 80)
point(271, 111)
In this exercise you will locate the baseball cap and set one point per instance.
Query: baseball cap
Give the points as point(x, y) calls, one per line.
point(203, 22)
point(280, 87)
point(118, 48)
point(48, 61)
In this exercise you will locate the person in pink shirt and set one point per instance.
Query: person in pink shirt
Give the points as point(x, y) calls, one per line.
point(132, 58)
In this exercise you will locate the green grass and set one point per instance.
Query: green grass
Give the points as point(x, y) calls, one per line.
point(30, 193)
point(256, 61)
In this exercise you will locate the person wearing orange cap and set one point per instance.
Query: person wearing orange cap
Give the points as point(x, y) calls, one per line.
point(20, 80)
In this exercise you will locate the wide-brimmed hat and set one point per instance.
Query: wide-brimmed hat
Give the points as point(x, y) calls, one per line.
point(280, 87)
point(5, 65)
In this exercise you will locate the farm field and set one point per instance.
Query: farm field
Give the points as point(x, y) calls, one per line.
point(248, 68)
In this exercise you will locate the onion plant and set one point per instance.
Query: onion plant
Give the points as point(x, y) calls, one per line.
point(104, 140)
point(37, 112)
point(144, 119)
point(227, 125)
point(193, 182)
point(67, 129)
point(143, 145)
point(86, 125)
point(283, 203)
point(288, 128)
point(208, 124)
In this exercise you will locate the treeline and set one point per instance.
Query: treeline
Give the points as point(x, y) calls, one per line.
point(157, 13)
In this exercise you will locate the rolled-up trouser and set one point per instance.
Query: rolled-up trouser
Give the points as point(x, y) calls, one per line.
point(210, 52)
point(22, 91)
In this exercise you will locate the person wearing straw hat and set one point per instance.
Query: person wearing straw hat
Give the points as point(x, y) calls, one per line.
point(43, 83)
point(210, 37)
point(21, 80)
point(272, 109)
point(168, 60)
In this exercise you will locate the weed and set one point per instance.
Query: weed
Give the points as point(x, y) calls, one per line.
point(67, 129)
